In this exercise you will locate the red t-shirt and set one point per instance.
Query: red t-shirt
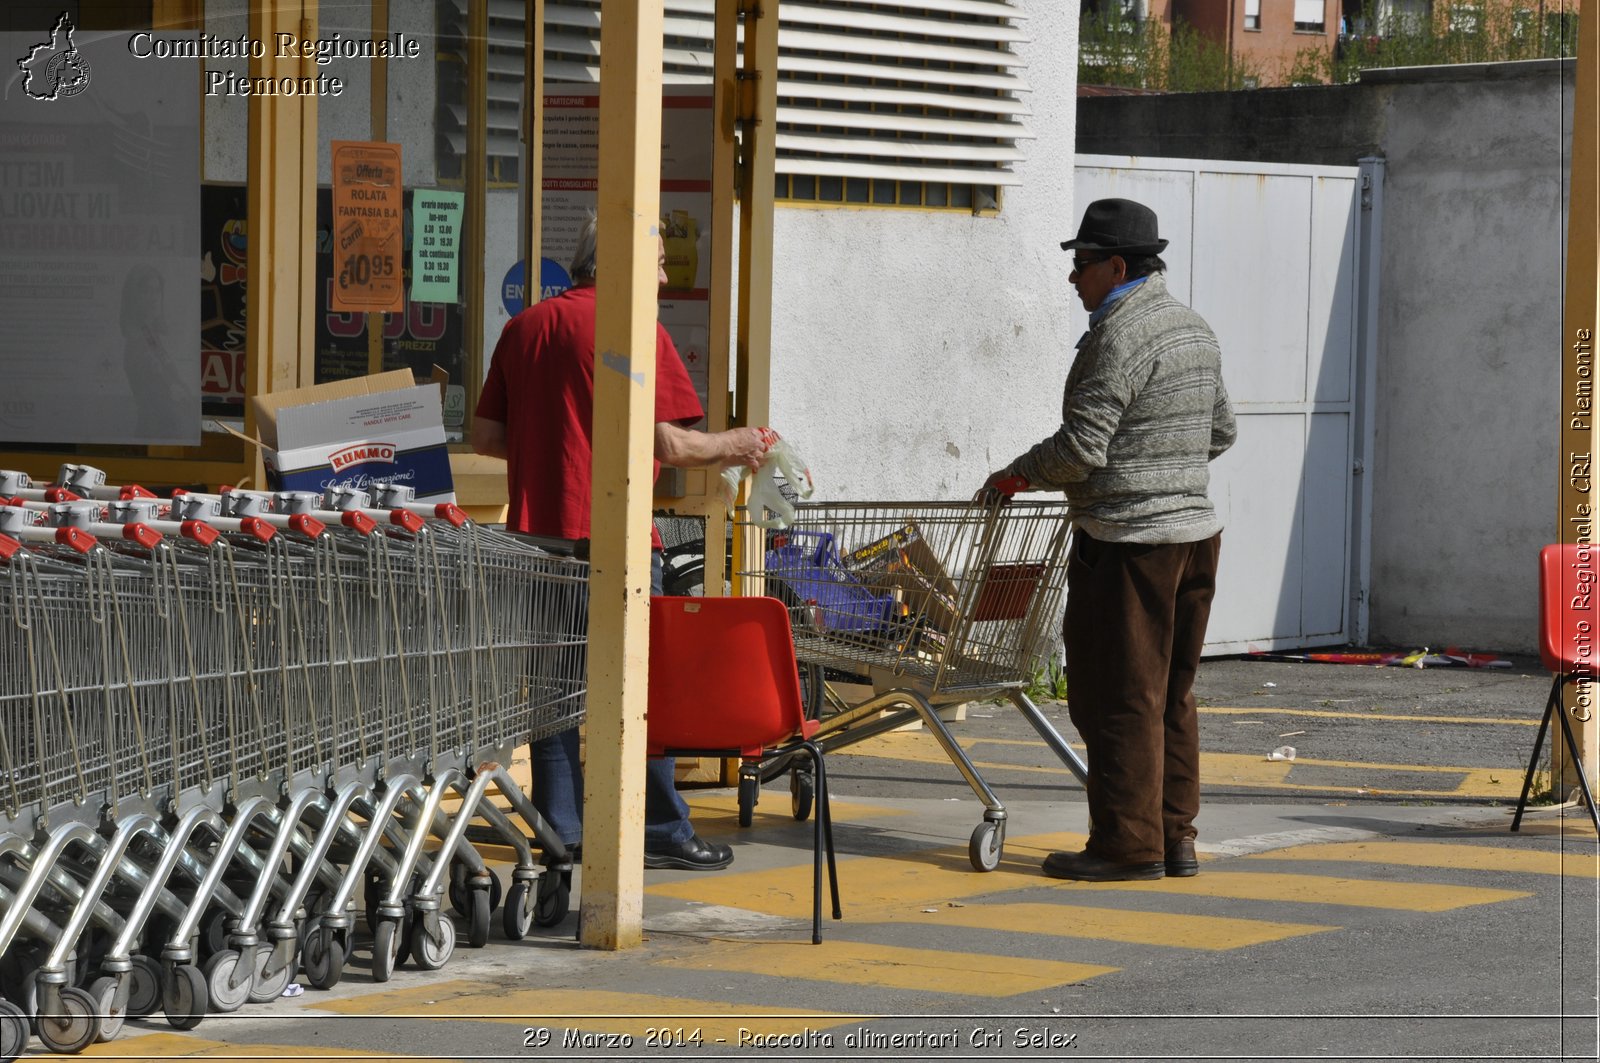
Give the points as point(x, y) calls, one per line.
point(541, 387)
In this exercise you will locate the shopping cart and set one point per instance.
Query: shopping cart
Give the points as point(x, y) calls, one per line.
point(221, 716)
point(932, 604)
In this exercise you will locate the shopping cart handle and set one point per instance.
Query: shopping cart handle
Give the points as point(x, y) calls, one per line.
point(358, 522)
point(451, 512)
point(257, 527)
point(8, 547)
point(142, 534)
point(404, 518)
point(54, 495)
point(132, 491)
point(199, 531)
point(77, 539)
point(307, 525)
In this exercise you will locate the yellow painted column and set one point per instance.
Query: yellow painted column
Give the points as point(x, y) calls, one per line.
point(1580, 427)
point(758, 111)
point(624, 416)
point(282, 174)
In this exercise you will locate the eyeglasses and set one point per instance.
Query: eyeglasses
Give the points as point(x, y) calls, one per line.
point(1081, 264)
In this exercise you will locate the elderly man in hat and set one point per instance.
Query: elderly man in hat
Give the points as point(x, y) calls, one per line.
point(1144, 412)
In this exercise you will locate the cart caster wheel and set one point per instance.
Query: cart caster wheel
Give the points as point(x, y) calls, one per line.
point(477, 922)
point(183, 996)
point(74, 1027)
point(749, 793)
point(385, 949)
point(403, 937)
point(144, 988)
point(14, 1032)
point(555, 895)
point(223, 984)
point(517, 916)
point(430, 954)
point(103, 991)
point(213, 933)
point(323, 957)
point(264, 986)
point(461, 889)
point(987, 842)
point(802, 792)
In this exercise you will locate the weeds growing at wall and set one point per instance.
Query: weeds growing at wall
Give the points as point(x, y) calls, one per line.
point(1115, 49)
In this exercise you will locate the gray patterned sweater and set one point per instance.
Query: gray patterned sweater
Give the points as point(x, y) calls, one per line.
point(1144, 411)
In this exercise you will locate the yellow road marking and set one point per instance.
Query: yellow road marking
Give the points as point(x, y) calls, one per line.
point(1225, 710)
point(1209, 932)
point(1440, 854)
point(855, 963)
point(1322, 889)
point(1237, 769)
point(610, 1012)
point(149, 1048)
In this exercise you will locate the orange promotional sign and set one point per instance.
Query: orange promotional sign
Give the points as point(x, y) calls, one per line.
point(368, 228)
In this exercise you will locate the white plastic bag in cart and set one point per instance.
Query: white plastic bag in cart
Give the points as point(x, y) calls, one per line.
point(764, 492)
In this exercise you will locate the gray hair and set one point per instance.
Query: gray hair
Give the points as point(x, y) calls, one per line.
point(583, 258)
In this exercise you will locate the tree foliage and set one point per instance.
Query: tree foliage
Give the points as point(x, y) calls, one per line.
point(1116, 49)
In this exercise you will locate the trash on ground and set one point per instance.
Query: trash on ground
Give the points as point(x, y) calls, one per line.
point(1282, 753)
point(293, 989)
point(1423, 658)
point(1291, 734)
point(1269, 684)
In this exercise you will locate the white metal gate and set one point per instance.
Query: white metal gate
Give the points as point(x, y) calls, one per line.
point(1270, 256)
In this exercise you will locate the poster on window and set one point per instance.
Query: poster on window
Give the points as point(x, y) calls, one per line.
point(571, 182)
point(99, 179)
point(367, 227)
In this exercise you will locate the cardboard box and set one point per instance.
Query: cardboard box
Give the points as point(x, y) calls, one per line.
point(903, 563)
point(352, 432)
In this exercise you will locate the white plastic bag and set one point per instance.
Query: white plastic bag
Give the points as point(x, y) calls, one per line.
point(764, 494)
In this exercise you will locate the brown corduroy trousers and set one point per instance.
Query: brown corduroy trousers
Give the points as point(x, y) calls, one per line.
point(1135, 624)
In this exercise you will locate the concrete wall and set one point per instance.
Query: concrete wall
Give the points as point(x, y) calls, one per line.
point(1466, 466)
point(916, 351)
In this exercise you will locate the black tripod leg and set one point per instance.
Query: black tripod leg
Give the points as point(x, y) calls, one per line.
point(1552, 703)
point(1577, 762)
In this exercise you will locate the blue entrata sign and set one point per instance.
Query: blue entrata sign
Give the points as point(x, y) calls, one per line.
point(553, 280)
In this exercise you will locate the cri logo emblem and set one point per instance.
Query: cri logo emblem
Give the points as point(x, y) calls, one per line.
point(360, 454)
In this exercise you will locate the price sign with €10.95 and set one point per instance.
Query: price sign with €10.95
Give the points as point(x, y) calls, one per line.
point(368, 228)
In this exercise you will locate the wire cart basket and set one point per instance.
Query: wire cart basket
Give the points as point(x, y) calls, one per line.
point(932, 603)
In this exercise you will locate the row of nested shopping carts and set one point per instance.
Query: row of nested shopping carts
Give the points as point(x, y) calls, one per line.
point(225, 718)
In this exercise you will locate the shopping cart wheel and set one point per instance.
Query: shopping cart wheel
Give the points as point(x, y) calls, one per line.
point(265, 987)
point(213, 933)
point(103, 991)
point(183, 996)
point(323, 956)
point(430, 954)
point(74, 1027)
point(749, 794)
point(517, 916)
point(477, 922)
point(144, 987)
point(227, 991)
point(984, 848)
point(13, 1030)
point(461, 889)
point(802, 792)
point(385, 949)
point(555, 895)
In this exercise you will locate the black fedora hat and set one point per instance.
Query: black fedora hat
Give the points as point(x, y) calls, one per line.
point(1118, 227)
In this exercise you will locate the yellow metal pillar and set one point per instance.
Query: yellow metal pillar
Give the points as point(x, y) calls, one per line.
point(532, 237)
point(282, 169)
point(624, 417)
point(758, 109)
point(1580, 427)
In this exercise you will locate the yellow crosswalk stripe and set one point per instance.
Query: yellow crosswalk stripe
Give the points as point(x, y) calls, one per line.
point(855, 963)
point(165, 1047)
point(1324, 889)
point(1207, 932)
point(581, 1009)
point(1442, 854)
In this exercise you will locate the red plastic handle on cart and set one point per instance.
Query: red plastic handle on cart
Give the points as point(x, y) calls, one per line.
point(199, 531)
point(8, 547)
point(1011, 485)
point(404, 518)
point(257, 527)
point(142, 534)
point(451, 512)
point(60, 494)
point(358, 522)
point(307, 525)
point(77, 539)
point(132, 491)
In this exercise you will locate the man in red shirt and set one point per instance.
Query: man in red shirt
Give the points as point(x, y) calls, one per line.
point(536, 411)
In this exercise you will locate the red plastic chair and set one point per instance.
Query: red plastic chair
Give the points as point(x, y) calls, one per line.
point(1569, 646)
point(723, 683)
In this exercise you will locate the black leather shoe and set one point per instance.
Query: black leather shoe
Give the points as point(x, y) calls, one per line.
point(1181, 861)
point(695, 854)
point(1086, 867)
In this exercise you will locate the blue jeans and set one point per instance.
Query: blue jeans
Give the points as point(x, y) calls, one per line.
point(558, 779)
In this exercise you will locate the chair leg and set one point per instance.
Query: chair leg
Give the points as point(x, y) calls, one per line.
point(821, 838)
point(1577, 762)
point(825, 814)
point(1550, 705)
